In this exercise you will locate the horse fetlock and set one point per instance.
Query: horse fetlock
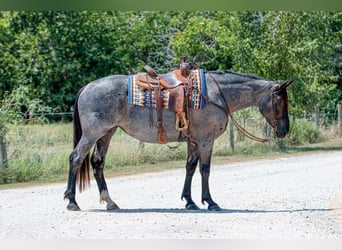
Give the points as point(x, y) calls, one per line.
point(208, 200)
point(214, 207)
point(187, 197)
point(68, 195)
point(191, 206)
point(104, 197)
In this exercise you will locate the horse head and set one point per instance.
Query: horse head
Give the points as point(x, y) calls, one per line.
point(274, 107)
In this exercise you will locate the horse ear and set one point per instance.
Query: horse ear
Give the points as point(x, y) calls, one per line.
point(286, 84)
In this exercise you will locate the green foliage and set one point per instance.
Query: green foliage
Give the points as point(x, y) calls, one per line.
point(291, 45)
point(205, 42)
point(55, 53)
point(303, 132)
point(20, 105)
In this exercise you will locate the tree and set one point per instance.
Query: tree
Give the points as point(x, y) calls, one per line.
point(55, 53)
point(290, 45)
point(205, 41)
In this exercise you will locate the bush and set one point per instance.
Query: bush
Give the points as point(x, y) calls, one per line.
point(303, 132)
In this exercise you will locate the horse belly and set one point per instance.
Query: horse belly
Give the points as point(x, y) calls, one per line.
point(137, 123)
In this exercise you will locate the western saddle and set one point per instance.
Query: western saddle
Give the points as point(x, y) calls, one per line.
point(175, 82)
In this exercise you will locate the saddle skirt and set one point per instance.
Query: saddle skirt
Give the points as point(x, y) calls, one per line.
point(139, 89)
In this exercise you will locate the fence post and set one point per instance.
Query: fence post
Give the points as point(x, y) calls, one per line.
point(231, 133)
point(3, 149)
point(339, 109)
point(267, 129)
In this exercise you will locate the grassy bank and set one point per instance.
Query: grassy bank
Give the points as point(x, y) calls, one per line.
point(39, 153)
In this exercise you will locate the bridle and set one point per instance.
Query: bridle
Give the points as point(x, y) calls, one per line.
point(236, 124)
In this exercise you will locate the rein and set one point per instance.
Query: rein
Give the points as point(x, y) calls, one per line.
point(229, 114)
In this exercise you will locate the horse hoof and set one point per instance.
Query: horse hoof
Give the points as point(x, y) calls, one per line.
point(112, 207)
point(192, 206)
point(73, 207)
point(214, 207)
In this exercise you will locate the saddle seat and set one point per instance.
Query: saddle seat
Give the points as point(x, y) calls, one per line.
point(167, 81)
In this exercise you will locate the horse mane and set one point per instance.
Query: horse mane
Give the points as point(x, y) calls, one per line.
point(237, 77)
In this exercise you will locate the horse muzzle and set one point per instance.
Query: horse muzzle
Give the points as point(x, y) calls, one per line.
point(281, 130)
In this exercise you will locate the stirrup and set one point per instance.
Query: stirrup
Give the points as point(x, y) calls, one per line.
point(185, 127)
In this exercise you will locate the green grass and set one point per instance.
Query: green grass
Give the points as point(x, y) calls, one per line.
point(40, 153)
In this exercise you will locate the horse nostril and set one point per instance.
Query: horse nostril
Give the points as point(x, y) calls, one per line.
point(281, 131)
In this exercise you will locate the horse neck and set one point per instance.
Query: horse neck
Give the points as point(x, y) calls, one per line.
point(245, 94)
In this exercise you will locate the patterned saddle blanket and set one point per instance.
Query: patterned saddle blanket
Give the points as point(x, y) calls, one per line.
point(140, 95)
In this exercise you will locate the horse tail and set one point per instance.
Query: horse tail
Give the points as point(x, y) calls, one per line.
point(83, 176)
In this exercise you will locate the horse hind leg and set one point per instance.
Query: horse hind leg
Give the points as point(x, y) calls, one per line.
point(98, 162)
point(78, 157)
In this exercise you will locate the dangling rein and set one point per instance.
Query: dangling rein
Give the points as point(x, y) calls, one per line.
point(229, 114)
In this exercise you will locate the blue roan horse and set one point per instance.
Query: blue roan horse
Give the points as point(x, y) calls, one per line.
point(101, 107)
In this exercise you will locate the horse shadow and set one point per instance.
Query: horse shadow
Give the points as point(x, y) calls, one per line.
point(205, 211)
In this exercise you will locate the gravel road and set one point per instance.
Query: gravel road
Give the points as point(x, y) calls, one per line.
point(286, 198)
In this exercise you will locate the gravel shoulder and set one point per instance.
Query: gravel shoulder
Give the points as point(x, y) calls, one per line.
point(286, 198)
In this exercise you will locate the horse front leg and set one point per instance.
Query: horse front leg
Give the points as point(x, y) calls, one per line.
point(191, 164)
point(206, 150)
point(98, 162)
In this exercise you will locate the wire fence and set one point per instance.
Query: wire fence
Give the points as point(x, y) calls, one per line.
point(321, 119)
point(29, 141)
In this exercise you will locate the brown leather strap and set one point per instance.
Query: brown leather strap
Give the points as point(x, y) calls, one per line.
point(150, 71)
point(159, 103)
point(151, 103)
